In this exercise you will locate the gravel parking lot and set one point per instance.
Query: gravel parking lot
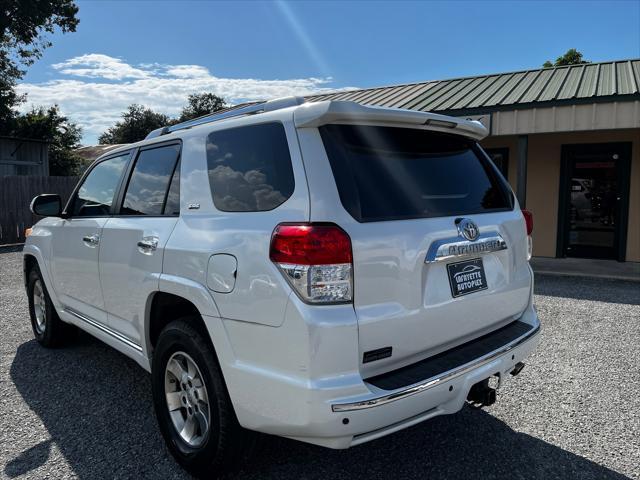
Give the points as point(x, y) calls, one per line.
point(85, 411)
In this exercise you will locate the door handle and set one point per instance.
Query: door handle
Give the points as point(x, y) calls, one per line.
point(91, 240)
point(148, 245)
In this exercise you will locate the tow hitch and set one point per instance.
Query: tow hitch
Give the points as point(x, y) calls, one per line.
point(481, 394)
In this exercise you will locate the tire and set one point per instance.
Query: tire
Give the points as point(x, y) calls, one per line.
point(218, 449)
point(47, 327)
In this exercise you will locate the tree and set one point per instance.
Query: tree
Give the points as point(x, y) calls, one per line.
point(63, 137)
point(571, 57)
point(136, 123)
point(199, 104)
point(139, 120)
point(23, 28)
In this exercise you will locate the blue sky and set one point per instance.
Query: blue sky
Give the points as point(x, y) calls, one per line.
point(155, 53)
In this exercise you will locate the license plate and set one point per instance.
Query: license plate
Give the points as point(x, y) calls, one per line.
point(466, 277)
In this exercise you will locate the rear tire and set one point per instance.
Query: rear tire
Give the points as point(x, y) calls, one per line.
point(192, 405)
point(47, 327)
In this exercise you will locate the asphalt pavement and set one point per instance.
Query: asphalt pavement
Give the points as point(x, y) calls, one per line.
point(85, 411)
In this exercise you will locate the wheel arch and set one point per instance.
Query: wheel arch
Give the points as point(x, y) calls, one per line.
point(177, 297)
point(28, 262)
point(163, 309)
point(32, 256)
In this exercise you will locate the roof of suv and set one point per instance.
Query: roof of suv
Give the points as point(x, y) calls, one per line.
point(314, 114)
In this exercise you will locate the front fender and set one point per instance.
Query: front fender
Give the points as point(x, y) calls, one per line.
point(39, 251)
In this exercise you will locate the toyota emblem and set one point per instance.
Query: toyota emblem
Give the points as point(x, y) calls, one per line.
point(468, 229)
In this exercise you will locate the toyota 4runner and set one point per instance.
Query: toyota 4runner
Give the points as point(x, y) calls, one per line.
point(327, 272)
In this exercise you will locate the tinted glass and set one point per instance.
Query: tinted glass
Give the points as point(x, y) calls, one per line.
point(593, 212)
point(172, 206)
point(386, 173)
point(95, 196)
point(149, 181)
point(249, 168)
point(500, 158)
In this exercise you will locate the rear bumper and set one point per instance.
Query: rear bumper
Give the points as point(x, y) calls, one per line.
point(345, 410)
point(434, 381)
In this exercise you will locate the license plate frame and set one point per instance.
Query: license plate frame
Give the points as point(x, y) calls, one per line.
point(467, 277)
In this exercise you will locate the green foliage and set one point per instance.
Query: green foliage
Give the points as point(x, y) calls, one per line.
point(138, 120)
point(23, 28)
point(64, 137)
point(136, 123)
point(199, 104)
point(571, 57)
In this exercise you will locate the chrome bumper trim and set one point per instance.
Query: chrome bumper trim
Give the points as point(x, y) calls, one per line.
point(434, 381)
point(103, 328)
point(449, 248)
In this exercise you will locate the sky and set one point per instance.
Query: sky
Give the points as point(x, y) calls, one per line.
point(156, 53)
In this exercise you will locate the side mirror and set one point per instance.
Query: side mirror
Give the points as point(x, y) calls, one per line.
point(47, 205)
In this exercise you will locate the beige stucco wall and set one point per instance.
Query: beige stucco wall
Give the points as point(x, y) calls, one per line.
point(543, 181)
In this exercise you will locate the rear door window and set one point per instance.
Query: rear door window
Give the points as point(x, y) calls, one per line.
point(172, 207)
point(249, 168)
point(390, 173)
point(149, 183)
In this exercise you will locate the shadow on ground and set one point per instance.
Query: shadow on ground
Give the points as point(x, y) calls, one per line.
point(96, 405)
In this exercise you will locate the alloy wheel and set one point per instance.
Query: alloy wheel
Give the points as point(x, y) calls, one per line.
point(187, 399)
point(39, 307)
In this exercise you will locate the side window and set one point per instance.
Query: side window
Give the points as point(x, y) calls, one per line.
point(172, 207)
point(95, 196)
point(147, 189)
point(249, 168)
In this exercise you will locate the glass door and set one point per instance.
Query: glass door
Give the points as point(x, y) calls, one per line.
point(595, 187)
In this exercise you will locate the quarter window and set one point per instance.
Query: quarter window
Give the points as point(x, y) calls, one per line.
point(249, 168)
point(95, 195)
point(147, 190)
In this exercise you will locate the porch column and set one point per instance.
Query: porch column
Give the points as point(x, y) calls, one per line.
point(521, 172)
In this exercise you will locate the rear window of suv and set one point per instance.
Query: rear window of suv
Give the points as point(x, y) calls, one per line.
point(391, 173)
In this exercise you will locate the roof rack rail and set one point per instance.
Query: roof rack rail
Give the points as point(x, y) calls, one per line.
point(243, 109)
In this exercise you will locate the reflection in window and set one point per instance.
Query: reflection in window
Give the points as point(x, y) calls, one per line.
point(149, 181)
point(249, 168)
point(500, 158)
point(95, 196)
point(389, 173)
point(172, 206)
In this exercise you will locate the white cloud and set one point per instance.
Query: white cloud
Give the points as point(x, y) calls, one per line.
point(94, 89)
point(187, 71)
point(95, 65)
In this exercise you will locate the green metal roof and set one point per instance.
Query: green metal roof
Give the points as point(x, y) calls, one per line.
point(618, 80)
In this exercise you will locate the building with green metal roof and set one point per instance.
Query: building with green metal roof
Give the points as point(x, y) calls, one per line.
point(567, 139)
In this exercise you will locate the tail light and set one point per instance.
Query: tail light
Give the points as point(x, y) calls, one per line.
point(316, 260)
point(528, 221)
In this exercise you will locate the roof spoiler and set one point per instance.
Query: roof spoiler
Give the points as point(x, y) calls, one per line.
point(316, 114)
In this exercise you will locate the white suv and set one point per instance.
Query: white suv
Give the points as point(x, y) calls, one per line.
point(326, 272)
